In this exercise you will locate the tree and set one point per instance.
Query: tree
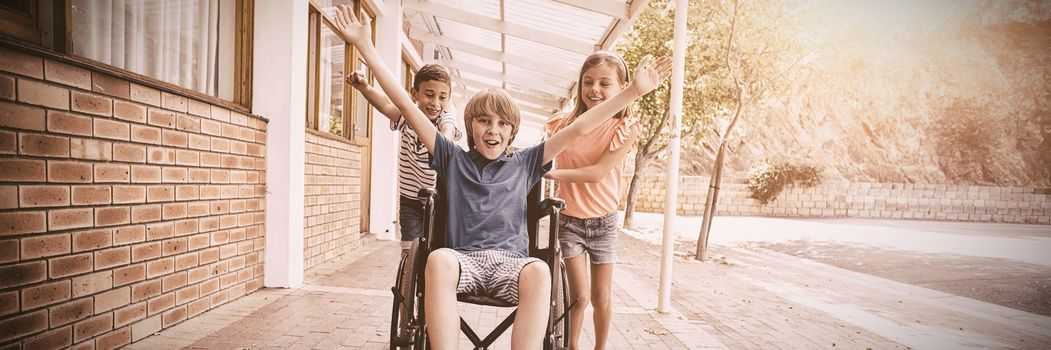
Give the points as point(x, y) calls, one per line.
point(756, 55)
point(705, 92)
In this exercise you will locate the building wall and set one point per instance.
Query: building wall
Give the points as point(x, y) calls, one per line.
point(124, 209)
point(859, 200)
point(332, 211)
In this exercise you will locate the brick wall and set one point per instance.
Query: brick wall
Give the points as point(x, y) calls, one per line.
point(123, 209)
point(859, 200)
point(332, 198)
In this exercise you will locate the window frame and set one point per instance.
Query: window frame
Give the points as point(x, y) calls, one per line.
point(54, 22)
point(314, 105)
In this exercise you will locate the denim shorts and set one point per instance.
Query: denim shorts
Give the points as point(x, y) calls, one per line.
point(410, 217)
point(597, 236)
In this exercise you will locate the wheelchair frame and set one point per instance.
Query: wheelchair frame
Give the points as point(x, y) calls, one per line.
point(408, 317)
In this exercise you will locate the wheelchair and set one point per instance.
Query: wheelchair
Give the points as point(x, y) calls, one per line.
point(408, 328)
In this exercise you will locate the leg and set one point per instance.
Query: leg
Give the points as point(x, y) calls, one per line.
point(534, 298)
point(601, 283)
point(442, 275)
point(579, 290)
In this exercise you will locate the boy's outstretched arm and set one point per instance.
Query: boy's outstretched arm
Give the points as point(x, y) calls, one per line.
point(375, 97)
point(648, 76)
point(354, 32)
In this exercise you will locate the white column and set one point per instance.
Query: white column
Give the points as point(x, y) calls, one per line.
point(383, 188)
point(279, 93)
point(674, 136)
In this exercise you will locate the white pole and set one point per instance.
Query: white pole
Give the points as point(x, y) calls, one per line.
point(672, 179)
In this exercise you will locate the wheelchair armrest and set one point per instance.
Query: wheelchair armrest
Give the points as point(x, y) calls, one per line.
point(551, 205)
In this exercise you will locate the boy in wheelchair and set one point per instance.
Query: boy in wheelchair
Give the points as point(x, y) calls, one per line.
point(486, 191)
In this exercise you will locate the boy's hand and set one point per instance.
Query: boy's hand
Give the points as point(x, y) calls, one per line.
point(650, 74)
point(357, 80)
point(350, 28)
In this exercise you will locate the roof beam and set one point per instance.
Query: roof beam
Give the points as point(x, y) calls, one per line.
point(610, 8)
point(528, 114)
point(513, 29)
point(521, 106)
point(540, 101)
point(496, 55)
point(531, 82)
point(622, 25)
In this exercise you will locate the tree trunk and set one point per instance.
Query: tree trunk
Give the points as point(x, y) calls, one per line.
point(633, 190)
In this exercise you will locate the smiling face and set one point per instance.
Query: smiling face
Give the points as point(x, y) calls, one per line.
point(432, 96)
point(492, 122)
point(598, 84)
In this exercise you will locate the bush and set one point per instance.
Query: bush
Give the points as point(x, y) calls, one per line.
point(768, 179)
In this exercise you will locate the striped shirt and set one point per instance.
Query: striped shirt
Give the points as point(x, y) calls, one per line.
point(413, 159)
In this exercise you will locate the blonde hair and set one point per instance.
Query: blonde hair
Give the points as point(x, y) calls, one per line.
point(491, 102)
point(594, 60)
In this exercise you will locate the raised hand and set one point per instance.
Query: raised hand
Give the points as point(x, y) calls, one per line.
point(357, 80)
point(349, 27)
point(649, 74)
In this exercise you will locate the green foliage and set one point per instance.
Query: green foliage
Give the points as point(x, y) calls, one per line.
point(768, 179)
point(335, 124)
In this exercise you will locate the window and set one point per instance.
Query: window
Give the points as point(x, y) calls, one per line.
point(332, 105)
point(201, 46)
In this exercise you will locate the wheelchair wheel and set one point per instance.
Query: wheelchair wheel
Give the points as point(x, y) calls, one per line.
point(560, 329)
point(404, 326)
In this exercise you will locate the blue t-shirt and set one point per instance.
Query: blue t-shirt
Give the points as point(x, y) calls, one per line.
point(486, 200)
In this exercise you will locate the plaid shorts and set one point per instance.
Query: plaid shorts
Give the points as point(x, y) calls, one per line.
point(491, 273)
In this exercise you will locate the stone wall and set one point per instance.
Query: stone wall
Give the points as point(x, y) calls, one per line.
point(858, 200)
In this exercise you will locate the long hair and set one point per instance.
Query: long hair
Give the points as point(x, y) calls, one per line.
point(594, 60)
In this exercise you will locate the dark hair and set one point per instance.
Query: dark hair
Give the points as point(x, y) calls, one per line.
point(431, 72)
point(594, 60)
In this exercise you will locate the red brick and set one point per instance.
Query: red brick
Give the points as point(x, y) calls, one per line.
point(187, 192)
point(67, 75)
point(129, 234)
point(174, 316)
point(91, 240)
point(63, 171)
point(128, 152)
point(70, 265)
point(8, 142)
point(22, 325)
point(22, 274)
point(238, 147)
point(209, 255)
point(44, 246)
point(199, 142)
point(129, 111)
point(211, 127)
point(67, 123)
point(8, 254)
point(43, 145)
point(219, 113)
point(45, 294)
point(112, 173)
point(198, 175)
point(129, 274)
point(220, 298)
point(85, 345)
point(112, 299)
point(112, 216)
point(187, 294)
point(129, 314)
point(145, 251)
point(160, 193)
point(160, 267)
point(185, 261)
point(173, 211)
point(174, 138)
point(158, 155)
point(7, 87)
point(145, 174)
point(69, 218)
point(92, 149)
point(231, 131)
point(220, 145)
point(199, 108)
point(21, 170)
point(187, 158)
point(238, 119)
point(197, 307)
point(173, 102)
point(231, 161)
point(56, 339)
point(188, 123)
point(209, 224)
point(145, 213)
point(173, 281)
point(196, 209)
point(173, 246)
point(112, 257)
point(145, 95)
point(160, 117)
point(146, 134)
point(71, 311)
point(14, 223)
point(145, 290)
point(160, 303)
point(43, 196)
point(210, 159)
point(92, 283)
point(92, 327)
point(18, 116)
point(160, 231)
point(21, 63)
point(37, 93)
point(172, 175)
point(129, 194)
point(114, 339)
point(111, 129)
point(109, 85)
point(93, 104)
point(91, 195)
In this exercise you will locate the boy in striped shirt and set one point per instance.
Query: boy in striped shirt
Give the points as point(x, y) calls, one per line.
point(431, 89)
